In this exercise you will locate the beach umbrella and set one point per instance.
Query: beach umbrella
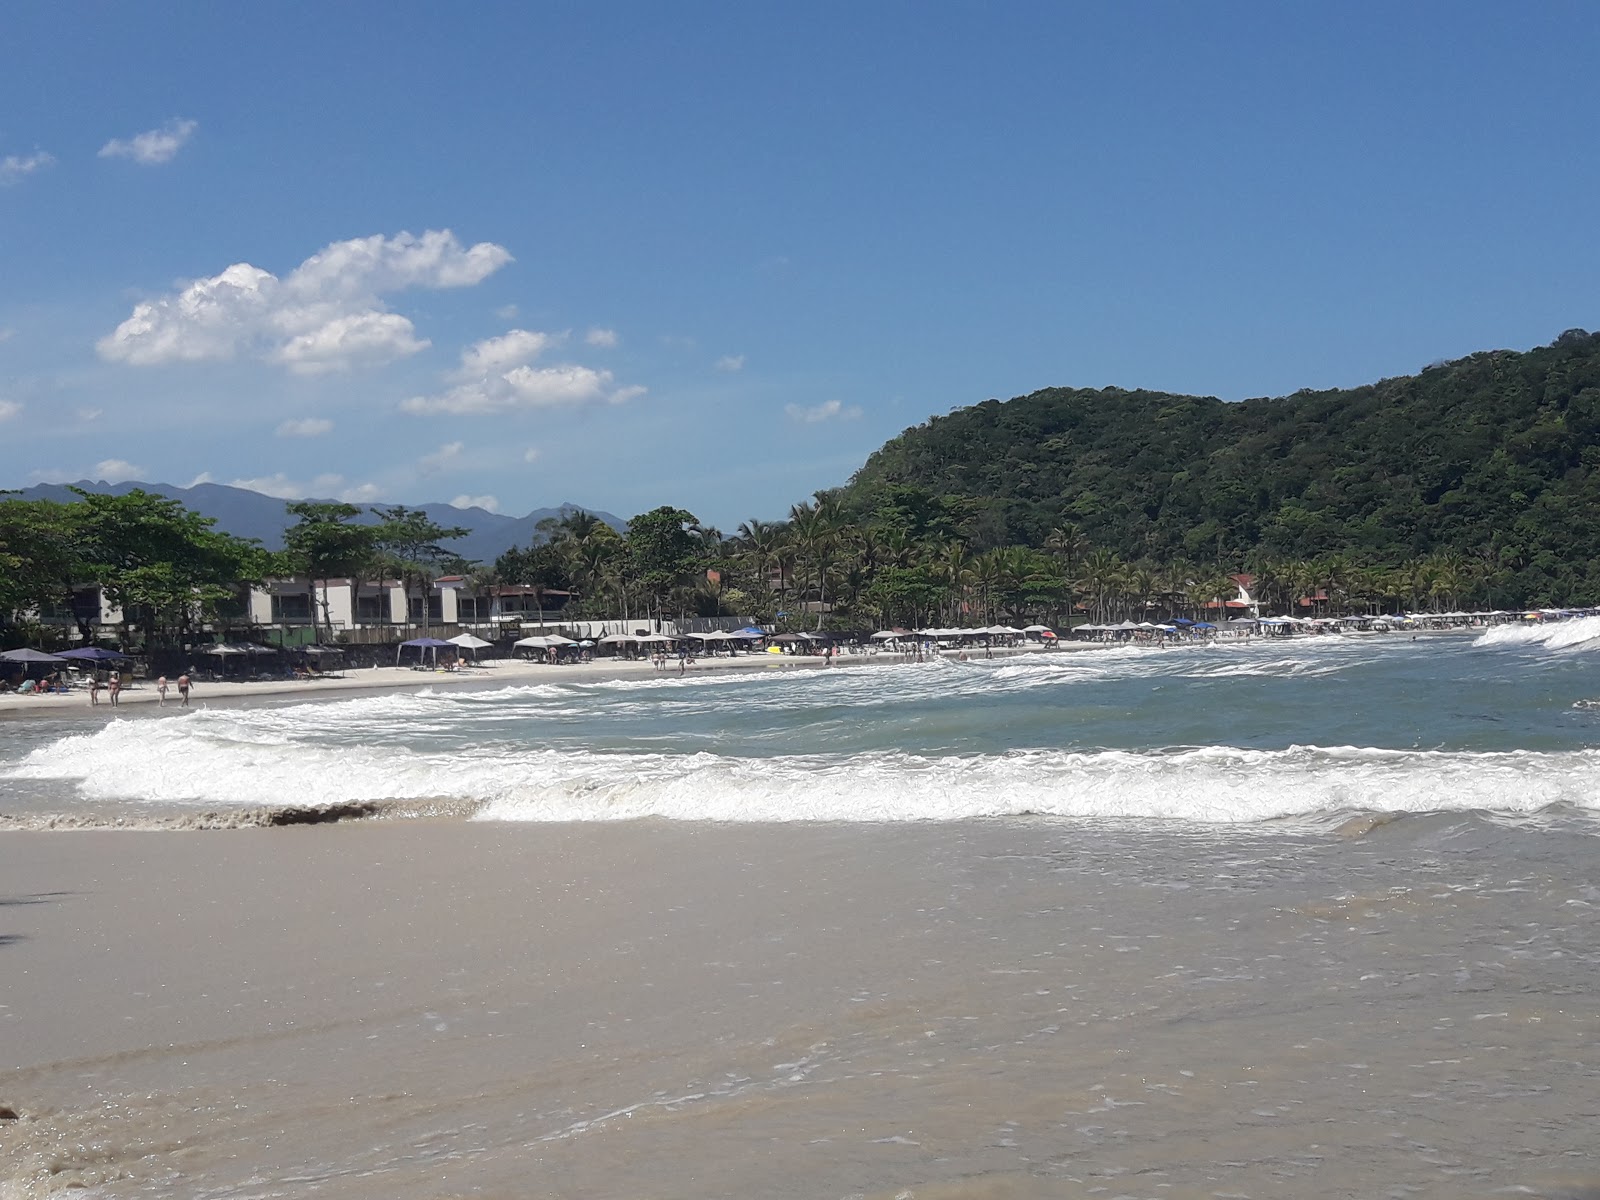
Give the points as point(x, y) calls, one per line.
point(27, 655)
point(586, 644)
point(557, 639)
point(223, 650)
point(885, 635)
point(94, 654)
point(749, 631)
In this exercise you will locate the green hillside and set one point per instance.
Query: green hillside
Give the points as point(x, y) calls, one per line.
point(1492, 458)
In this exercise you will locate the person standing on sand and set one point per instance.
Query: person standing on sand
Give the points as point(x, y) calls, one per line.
point(114, 688)
point(183, 691)
point(94, 690)
point(161, 691)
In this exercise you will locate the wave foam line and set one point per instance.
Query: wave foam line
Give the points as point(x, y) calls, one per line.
point(162, 763)
point(1553, 635)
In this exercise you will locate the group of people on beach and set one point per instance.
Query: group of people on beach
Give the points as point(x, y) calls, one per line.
point(113, 686)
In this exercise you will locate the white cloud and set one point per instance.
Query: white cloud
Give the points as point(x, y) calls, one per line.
point(325, 315)
point(9, 409)
point(441, 458)
point(507, 350)
point(605, 338)
point(730, 363)
point(828, 410)
point(18, 166)
point(531, 454)
point(487, 503)
point(497, 375)
point(321, 487)
point(6, 335)
point(361, 339)
point(305, 427)
point(203, 477)
point(507, 312)
point(90, 415)
point(154, 146)
point(116, 470)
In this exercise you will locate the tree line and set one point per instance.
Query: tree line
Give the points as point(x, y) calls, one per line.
point(1473, 484)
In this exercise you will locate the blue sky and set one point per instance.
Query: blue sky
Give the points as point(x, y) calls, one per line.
point(714, 255)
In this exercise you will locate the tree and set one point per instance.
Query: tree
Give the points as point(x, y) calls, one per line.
point(38, 557)
point(661, 551)
point(153, 556)
point(325, 543)
point(412, 541)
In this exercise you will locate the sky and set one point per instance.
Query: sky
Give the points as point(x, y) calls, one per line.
point(713, 255)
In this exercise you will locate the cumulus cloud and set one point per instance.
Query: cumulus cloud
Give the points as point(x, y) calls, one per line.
point(499, 353)
point(327, 314)
point(828, 410)
point(154, 146)
point(441, 458)
point(9, 409)
point(497, 375)
point(327, 486)
point(305, 427)
point(116, 470)
point(730, 363)
point(487, 503)
point(604, 338)
point(14, 167)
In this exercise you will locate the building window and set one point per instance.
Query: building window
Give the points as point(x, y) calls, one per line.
point(295, 606)
point(369, 608)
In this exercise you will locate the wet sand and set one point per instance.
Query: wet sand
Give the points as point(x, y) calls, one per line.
point(1008, 1010)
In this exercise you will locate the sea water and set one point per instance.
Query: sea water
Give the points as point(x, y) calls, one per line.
point(1226, 733)
point(1299, 918)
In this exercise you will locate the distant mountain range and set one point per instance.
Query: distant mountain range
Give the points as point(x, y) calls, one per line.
point(248, 514)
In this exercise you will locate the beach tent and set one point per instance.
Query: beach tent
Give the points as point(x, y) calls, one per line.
point(467, 641)
point(886, 635)
point(617, 639)
point(421, 645)
point(749, 631)
point(223, 650)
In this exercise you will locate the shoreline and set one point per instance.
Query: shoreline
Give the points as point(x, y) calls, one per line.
point(504, 672)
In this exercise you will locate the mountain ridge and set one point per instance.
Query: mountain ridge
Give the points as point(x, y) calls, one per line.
point(249, 514)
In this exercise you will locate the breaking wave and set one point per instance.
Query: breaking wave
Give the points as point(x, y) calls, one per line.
point(260, 776)
point(1553, 635)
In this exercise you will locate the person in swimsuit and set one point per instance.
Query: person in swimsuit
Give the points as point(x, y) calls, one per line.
point(183, 690)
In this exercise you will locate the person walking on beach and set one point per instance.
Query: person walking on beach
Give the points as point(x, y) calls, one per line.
point(114, 688)
point(161, 691)
point(183, 691)
point(94, 691)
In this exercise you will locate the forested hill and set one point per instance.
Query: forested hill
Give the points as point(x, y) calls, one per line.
point(1495, 456)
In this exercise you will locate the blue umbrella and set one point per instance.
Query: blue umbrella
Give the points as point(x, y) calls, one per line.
point(94, 654)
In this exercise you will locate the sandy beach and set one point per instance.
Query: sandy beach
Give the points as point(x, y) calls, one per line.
point(1001, 1011)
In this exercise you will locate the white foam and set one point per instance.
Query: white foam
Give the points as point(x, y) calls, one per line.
point(1553, 635)
point(233, 762)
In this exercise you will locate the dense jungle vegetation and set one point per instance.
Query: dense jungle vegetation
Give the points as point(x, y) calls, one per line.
point(1491, 461)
